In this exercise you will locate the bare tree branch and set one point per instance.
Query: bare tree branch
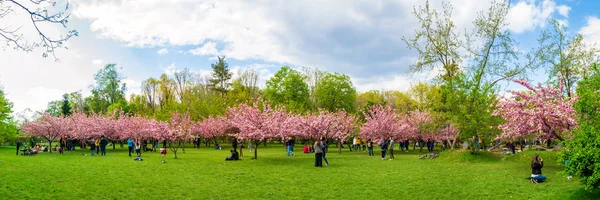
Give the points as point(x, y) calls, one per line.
point(14, 38)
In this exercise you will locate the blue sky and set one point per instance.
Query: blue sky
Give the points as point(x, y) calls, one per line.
point(358, 38)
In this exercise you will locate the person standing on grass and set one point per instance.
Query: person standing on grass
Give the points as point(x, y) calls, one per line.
point(370, 147)
point(325, 149)
point(289, 146)
point(391, 149)
point(97, 143)
point(384, 147)
point(318, 153)
point(103, 143)
point(130, 146)
point(138, 149)
point(18, 146)
point(92, 146)
point(163, 153)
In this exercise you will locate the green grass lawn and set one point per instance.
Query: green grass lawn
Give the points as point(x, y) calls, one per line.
point(203, 174)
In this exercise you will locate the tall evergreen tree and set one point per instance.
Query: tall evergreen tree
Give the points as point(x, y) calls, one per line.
point(65, 109)
point(220, 76)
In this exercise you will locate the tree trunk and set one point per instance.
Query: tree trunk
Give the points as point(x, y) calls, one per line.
point(340, 147)
point(183, 147)
point(255, 150)
point(82, 149)
point(50, 143)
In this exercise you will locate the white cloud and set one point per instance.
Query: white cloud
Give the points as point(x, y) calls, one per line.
point(208, 49)
point(31, 81)
point(564, 10)
point(133, 87)
point(333, 34)
point(162, 51)
point(97, 62)
point(170, 70)
point(529, 15)
point(591, 31)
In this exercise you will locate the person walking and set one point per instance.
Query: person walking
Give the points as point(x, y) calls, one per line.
point(18, 146)
point(384, 147)
point(290, 147)
point(392, 149)
point(92, 146)
point(130, 146)
point(370, 147)
point(318, 153)
point(103, 143)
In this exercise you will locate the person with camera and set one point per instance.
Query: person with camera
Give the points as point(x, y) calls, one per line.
point(537, 164)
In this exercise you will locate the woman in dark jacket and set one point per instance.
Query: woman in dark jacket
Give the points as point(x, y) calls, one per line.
point(536, 169)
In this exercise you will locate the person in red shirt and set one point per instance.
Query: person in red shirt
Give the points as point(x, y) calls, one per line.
point(163, 152)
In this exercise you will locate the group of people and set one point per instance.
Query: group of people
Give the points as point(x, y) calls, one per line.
point(320, 149)
point(98, 146)
point(138, 146)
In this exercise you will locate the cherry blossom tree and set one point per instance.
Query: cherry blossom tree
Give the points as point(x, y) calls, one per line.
point(257, 123)
point(537, 110)
point(381, 123)
point(211, 127)
point(419, 127)
point(48, 127)
point(180, 130)
point(448, 134)
point(344, 126)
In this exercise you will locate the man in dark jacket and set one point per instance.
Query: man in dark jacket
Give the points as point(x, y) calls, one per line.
point(384, 147)
point(234, 143)
point(92, 146)
point(103, 143)
point(18, 146)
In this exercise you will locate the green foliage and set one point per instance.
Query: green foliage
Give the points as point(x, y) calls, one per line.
point(472, 111)
point(8, 125)
point(65, 109)
point(335, 91)
point(54, 108)
point(583, 151)
point(287, 87)
point(220, 76)
point(565, 58)
point(108, 89)
point(401, 101)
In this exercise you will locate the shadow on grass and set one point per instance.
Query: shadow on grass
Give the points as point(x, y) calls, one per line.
point(585, 194)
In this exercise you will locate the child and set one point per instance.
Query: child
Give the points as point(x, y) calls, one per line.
point(163, 152)
point(137, 149)
point(305, 149)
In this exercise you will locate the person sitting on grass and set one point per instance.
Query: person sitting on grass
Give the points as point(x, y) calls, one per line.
point(536, 169)
point(234, 155)
point(217, 146)
point(305, 149)
point(433, 155)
